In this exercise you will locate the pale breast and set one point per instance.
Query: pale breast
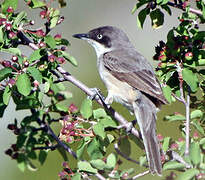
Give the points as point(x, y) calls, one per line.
point(121, 91)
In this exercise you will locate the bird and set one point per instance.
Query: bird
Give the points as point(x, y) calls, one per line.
point(130, 80)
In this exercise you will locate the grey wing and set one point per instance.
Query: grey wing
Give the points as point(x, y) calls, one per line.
point(131, 67)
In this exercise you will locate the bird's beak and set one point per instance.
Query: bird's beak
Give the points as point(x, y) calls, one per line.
point(81, 36)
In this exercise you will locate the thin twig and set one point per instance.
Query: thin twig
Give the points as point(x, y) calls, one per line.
point(99, 176)
point(187, 124)
point(141, 174)
point(125, 156)
point(175, 156)
point(67, 148)
point(46, 147)
point(179, 6)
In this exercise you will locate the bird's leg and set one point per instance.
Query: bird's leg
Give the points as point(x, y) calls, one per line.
point(109, 99)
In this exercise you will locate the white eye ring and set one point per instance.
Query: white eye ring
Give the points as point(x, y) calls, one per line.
point(99, 36)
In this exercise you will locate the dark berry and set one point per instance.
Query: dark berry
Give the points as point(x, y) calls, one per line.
point(11, 126)
point(14, 147)
point(15, 155)
point(6, 63)
point(8, 152)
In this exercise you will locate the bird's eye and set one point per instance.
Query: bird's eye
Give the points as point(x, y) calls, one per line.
point(99, 36)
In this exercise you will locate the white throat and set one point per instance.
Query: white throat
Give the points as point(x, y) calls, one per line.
point(99, 48)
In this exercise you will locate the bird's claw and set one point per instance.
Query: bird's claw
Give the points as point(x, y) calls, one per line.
point(97, 94)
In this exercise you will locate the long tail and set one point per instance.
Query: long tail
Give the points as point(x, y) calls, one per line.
point(145, 112)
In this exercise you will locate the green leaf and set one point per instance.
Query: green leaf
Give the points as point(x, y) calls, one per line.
point(190, 78)
point(23, 84)
point(77, 176)
point(46, 87)
point(21, 139)
point(36, 4)
point(61, 107)
point(203, 8)
point(99, 113)
point(167, 91)
point(178, 117)
point(108, 122)
point(165, 145)
point(111, 161)
point(1, 34)
point(157, 18)
point(141, 17)
point(4, 73)
point(36, 55)
point(15, 51)
point(134, 9)
point(196, 114)
point(85, 166)
point(31, 166)
point(94, 149)
point(19, 18)
point(6, 95)
point(54, 16)
point(159, 1)
point(202, 141)
point(164, 2)
point(195, 153)
point(35, 73)
point(188, 174)
point(2, 105)
point(50, 41)
point(98, 163)
point(99, 130)
point(70, 58)
point(42, 156)
point(63, 153)
point(167, 8)
point(21, 162)
point(173, 165)
point(198, 126)
point(142, 160)
point(80, 149)
point(8, 3)
point(86, 108)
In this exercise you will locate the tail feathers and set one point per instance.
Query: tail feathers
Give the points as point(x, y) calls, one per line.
point(145, 112)
point(152, 152)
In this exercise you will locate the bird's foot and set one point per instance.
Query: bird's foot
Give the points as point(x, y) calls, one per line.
point(97, 94)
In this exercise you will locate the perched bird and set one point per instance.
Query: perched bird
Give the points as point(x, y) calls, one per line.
point(130, 80)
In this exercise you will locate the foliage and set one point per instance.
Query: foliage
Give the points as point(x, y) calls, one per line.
point(34, 82)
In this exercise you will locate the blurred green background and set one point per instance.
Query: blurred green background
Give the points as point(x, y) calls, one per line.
point(81, 16)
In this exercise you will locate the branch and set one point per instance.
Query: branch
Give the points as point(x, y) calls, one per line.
point(116, 146)
point(141, 174)
point(179, 6)
point(187, 124)
point(89, 92)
